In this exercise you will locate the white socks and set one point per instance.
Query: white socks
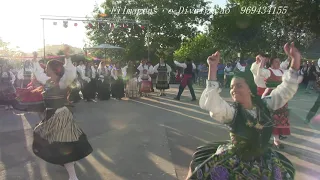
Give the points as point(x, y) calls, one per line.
point(276, 140)
point(71, 171)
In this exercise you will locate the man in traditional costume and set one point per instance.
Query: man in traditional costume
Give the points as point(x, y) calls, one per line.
point(163, 71)
point(248, 154)
point(89, 85)
point(151, 73)
point(24, 74)
point(188, 67)
point(81, 68)
point(103, 82)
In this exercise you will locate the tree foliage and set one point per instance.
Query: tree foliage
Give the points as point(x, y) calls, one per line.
point(165, 29)
point(197, 48)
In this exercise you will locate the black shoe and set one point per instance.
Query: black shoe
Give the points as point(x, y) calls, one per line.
point(279, 146)
point(282, 137)
point(176, 98)
point(193, 99)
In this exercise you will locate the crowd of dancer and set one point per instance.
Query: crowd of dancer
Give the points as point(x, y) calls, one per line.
point(259, 111)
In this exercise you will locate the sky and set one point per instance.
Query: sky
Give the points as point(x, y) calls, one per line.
point(21, 25)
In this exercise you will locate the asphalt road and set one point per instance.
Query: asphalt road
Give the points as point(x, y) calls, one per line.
point(148, 138)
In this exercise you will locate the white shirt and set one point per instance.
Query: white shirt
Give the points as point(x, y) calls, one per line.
point(155, 68)
point(222, 111)
point(184, 65)
point(261, 74)
point(70, 73)
point(228, 70)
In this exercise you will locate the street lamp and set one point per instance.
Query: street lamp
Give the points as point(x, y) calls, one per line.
point(239, 55)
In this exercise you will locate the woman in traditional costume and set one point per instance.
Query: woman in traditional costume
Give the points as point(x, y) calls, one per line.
point(103, 83)
point(132, 90)
point(273, 78)
point(7, 90)
point(89, 85)
point(163, 71)
point(57, 138)
point(29, 99)
point(248, 154)
point(117, 86)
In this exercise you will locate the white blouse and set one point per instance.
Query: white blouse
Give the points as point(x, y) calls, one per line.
point(70, 73)
point(184, 65)
point(260, 74)
point(115, 76)
point(223, 112)
point(155, 68)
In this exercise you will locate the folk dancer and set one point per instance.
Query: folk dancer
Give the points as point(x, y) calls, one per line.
point(81, 75)
point(57, 138)
point(151, 73)
point(27, 99)
point(7, 90)
point(273, 78)
point(228, 74)
point(103, 82)
point(312, 112)
point(75, 87)
point(89, 86)
point(248, 154)
point(117, 85)
point(132, 90)
point(144, 73)
point(24, 74)
point(188, 67)
point(163, 71)
point(259, 80)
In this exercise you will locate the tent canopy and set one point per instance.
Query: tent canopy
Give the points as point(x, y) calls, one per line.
point(105, 46)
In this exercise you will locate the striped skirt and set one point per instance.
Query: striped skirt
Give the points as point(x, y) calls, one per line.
point(58, 139)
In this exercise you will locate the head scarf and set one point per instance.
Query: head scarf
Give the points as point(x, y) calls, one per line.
point(248, 77)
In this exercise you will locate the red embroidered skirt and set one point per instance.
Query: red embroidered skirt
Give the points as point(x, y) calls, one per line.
point(281, 120)
point(145, 86)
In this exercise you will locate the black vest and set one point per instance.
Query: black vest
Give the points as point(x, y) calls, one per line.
point(53, 96)
point(255, 137)
point(189, 69)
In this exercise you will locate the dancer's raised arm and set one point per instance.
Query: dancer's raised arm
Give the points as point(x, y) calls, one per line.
point(38, 71)
point(70, 71)
point(290, 81)
point(210, 99)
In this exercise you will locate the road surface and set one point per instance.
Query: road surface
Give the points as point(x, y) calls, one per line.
point(148, 138)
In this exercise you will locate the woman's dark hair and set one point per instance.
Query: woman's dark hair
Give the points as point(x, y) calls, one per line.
point(57, 67)
point(271, 61)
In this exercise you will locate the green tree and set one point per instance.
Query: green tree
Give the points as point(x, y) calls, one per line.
point(299, 22)
point(197, 48)
point(165, 29)
point(60, 52)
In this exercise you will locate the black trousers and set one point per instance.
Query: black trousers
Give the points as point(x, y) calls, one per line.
point(181, 89)
point(314, 109)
